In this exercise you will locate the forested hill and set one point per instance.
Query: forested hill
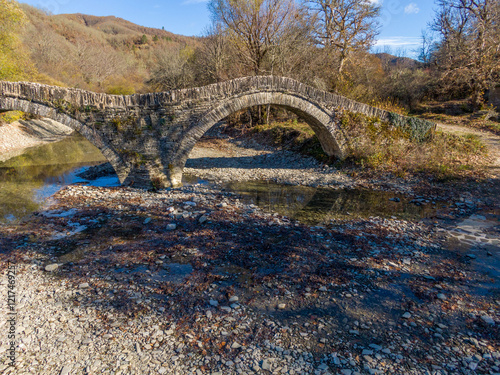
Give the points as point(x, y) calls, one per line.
point(116, 29)
point(98, 53)
point(113, 55)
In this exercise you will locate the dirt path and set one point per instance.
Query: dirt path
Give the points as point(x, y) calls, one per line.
point(492, 141)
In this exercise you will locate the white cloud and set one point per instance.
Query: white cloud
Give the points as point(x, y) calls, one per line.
point(412, 8)
point(399, 46)
point(399, 41)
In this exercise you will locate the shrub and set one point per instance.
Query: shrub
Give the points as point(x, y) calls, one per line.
point(122, 89)
point(380, 146)
point(11, 116)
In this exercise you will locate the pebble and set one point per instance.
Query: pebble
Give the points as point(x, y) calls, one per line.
point(323, 367)
point(66, 370)
point(406, 315)
point(488, 319)
point(281, 306)
point(171, 226)
point(269, 168)
point(266, 365)
point(51, 267)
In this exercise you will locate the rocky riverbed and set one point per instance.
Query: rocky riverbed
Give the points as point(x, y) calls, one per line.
point(194, 281)
point(225, 160)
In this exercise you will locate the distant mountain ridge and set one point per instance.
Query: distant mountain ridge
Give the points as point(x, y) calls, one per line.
point(395, 61)
point(114, 25)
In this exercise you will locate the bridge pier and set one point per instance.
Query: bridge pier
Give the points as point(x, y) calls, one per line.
point(151, 177)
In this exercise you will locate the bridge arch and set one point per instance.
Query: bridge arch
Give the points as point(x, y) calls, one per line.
point(15, 104)
point(322, 120)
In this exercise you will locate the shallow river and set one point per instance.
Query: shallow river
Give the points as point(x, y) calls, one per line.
point(28, 180)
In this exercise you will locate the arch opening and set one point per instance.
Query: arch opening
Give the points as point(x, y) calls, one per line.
point(321, 120)
point(91, 135)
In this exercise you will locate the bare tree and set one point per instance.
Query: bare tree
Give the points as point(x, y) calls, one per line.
point(295, 51)
point(172, 70)
point(426, 50)
point(97, 62)
point(214, 52)
point(48, 49)
point(344, 26)
point(469, 50)
point(253, 26)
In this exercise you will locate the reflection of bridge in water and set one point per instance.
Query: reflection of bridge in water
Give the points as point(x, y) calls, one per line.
point(147, 138)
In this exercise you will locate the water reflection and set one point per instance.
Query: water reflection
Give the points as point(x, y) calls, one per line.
point(316, 205)
point(26, 180)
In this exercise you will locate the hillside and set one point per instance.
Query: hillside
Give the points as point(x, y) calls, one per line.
point(117, 29)
point(392, 61)
point(106, 54)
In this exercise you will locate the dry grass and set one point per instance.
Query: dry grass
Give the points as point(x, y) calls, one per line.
point(458, 112)
point(381, 148)
point(11, 116)
point(391, 105)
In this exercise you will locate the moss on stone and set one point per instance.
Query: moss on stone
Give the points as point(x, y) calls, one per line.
point(64, 106)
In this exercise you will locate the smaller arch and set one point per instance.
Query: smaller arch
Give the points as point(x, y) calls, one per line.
point(320, 119)
point(16, 104)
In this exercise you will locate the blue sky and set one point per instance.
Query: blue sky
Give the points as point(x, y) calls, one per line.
point(402, 20)
point(402, 24)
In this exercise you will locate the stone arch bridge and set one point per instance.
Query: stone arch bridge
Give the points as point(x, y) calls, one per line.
point(147, 137)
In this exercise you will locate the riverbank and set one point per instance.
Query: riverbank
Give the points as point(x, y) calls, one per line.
point(193, 280)
point(20, 135)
